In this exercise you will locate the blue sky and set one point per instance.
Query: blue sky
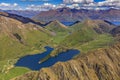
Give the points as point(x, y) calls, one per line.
point(36, 2)
point(52, 4)
point(98, 0)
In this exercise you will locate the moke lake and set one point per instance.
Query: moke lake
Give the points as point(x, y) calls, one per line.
point(32, 61)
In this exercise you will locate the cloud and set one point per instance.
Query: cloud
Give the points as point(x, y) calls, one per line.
point(77, 1)
point(15, 4)
point(78, 4)
point(113, 0)
point(8, 6)
point(92, 3)
point(4, 4)
point(43, 7)
point(107, 4)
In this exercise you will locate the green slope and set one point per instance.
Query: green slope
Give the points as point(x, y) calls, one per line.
point(81, 33)
point(17, 71)
point(86, 31)
point(18, 39)
point(103, 40)
point(59, 31)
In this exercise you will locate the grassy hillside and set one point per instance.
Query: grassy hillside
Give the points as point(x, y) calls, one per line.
point(86, 36)
point(33, 42)
point(86, 31)
point(18, 39)
point(59, 31)
point(13, 73)
point(56, 26)
point(101, 41)
point(81, 32)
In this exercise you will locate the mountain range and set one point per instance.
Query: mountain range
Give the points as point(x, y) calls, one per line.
point(24, 13)
point(72, 15)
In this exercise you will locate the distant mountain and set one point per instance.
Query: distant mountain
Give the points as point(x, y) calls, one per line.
point(24, 13)
point(72, 15)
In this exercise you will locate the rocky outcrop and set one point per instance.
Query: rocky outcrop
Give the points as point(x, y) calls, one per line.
point(102, 64)
point(116, 31)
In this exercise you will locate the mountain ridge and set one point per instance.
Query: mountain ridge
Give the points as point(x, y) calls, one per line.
point(20, 18)
point(72, 15)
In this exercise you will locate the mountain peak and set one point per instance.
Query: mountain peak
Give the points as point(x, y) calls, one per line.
point(56, 26)
point(99, 26)
point(57, 23)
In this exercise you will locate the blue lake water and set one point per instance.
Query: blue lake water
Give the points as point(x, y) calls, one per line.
point(67, 23)
point(32, 61)
point(116, 23)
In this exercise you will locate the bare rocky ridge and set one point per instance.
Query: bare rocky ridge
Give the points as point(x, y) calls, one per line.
point(102, 64)
point(116, 31)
